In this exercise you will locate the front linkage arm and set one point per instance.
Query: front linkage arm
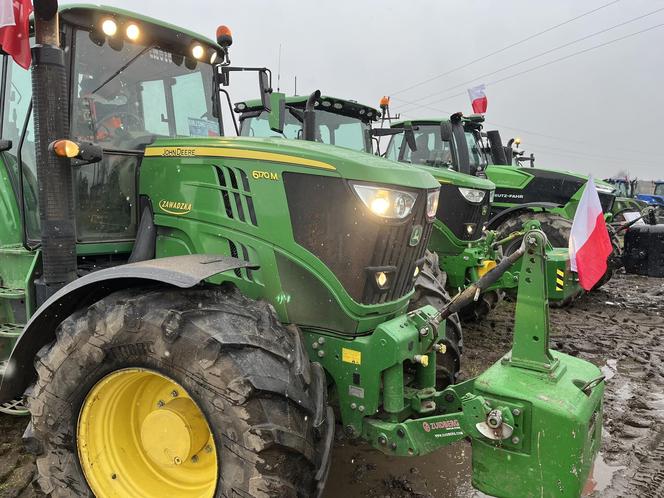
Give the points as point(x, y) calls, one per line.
point(534, 417)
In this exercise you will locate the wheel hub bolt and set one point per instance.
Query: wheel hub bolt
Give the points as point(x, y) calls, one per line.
point(174, 393)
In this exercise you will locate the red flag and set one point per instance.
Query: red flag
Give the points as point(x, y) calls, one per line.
point(589, 242)
point(15, 39)
point(478, 98)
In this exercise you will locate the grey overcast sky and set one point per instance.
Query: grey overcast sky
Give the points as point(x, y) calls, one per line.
point(594, 112)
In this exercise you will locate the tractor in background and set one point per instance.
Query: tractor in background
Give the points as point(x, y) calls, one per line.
point(525, 193)
point(184, 308)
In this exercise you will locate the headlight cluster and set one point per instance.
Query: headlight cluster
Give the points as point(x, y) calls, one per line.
point(386, 202)
point(432, 203)
point(472, 195)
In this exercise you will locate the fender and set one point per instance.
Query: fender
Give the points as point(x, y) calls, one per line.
point(179, 271)
point(505, 213)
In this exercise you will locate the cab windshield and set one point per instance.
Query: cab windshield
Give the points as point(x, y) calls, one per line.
point(331, 128)
point(659, 189)
point(431, 149)
point(127, 95)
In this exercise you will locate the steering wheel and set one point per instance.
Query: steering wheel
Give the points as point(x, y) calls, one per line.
point(125, 118)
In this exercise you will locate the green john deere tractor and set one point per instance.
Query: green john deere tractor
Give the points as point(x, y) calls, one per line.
point(445, 148)
point(461, 246)
point(183, 309)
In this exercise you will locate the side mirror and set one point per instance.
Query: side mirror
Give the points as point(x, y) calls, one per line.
point(265, 89)
point(446, 131)
point(277, 112)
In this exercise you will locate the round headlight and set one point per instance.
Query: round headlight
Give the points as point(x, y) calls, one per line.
point(133, 32)
point(109, 27)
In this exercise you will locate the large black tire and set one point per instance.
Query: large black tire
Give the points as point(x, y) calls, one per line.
point(264, 401)
point(556, 228)
point(430, 290)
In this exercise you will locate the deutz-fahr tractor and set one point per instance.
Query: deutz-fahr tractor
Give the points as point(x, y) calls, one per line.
point(525, 193)
point(461, 246)
point(186, 309)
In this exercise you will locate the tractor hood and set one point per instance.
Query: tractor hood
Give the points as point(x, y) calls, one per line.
point(600, 184)
point(450, 177)
point(345, 163)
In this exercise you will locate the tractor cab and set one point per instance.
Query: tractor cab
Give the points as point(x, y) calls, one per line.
point(130, 82)
point(340, 122)
point(659, 188)
point(438, 142)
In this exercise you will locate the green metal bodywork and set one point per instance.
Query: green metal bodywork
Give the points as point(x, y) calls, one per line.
point(517, 177)
point(379, 359)
point(206, 228)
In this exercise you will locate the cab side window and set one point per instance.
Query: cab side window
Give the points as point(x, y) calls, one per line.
point(18, 94)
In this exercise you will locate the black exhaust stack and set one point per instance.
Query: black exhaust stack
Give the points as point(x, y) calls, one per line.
point(309, 121)
point(51, 117)
point(496, 147)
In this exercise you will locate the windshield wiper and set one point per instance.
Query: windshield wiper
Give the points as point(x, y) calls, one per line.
point(125, 66)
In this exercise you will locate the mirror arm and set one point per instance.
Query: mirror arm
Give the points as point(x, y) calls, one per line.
point(230, 106)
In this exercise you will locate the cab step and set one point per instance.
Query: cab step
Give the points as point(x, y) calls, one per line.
point(7, 293)
point(11, 330)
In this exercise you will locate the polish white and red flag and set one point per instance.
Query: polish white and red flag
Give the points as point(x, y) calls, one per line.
point(589, 241)
point(478, 98)
point(14, 30)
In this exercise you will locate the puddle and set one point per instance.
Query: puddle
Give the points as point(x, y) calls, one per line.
point(600, 477)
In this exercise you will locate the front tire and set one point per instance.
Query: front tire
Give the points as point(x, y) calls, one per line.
point(263, 401)
point(430, 290)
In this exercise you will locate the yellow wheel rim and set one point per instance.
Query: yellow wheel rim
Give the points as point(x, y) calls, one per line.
point(140, 435)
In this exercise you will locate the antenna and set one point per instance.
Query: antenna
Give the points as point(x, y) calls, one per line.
point(279, 69)
point(295, 91)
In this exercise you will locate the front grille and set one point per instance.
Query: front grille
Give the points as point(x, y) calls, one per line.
point(606, 200)
point(330, 221)
point(456, 213)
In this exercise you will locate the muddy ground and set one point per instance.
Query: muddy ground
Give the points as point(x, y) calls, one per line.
point(619, 328)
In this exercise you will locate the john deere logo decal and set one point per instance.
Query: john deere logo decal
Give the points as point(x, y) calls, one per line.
point(173, 207)
point(415, 235)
